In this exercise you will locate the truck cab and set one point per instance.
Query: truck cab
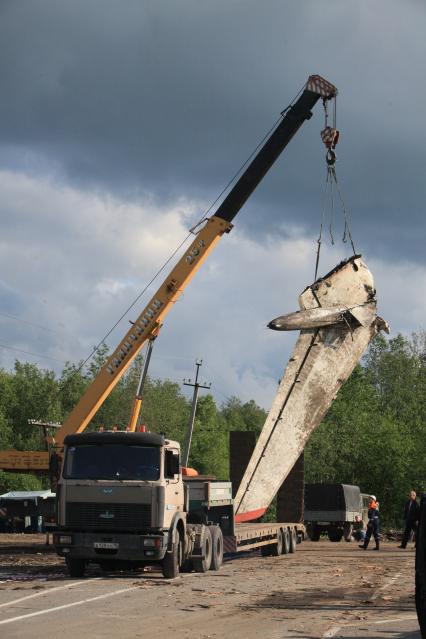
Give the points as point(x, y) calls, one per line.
point(120, 495)
point(122, 501)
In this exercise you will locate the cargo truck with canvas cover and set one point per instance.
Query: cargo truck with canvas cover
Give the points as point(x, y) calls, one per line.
point(332, 509)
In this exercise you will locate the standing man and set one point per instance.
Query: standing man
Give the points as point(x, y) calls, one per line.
point(411, 518)
point(373, 523)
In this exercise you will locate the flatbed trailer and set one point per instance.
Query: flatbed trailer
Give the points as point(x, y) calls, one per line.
point(250, 536)
point(211, 502)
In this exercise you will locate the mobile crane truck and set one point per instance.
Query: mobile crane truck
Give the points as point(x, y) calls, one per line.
point(122, 497)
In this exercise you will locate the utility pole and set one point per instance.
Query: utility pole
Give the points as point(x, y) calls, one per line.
point(196, 386)
point(44, 426)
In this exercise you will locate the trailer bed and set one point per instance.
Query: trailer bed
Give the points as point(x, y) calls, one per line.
point(249, 536)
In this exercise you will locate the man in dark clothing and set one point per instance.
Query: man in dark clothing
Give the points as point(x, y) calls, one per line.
point(373, 524)
point(411, 518)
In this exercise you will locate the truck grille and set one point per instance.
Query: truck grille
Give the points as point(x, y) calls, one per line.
point(93, 516)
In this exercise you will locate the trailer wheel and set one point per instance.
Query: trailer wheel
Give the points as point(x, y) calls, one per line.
point(217, 547)
point(277, 548)
point(172, 560)
point(76, 567)
point(286, 541)
point(293, 540)
point(202, 564)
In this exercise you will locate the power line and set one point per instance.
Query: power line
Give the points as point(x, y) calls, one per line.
point(20, 350)
point(25, 321)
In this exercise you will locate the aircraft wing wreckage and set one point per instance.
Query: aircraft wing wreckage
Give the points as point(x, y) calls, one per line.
point(337, 321)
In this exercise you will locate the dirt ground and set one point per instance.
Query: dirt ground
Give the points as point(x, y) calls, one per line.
point(323, 590)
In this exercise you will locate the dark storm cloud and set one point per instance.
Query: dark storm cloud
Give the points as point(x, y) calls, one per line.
point(169, 97)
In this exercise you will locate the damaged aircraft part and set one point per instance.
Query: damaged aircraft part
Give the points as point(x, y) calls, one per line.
point(337, 321)
point(319, 317)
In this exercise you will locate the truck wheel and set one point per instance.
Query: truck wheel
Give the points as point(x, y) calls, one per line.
point(347, 531)
point(217, 547)
point(171, 562)
point(202, 564)
point(76, 567)
point(277, 548)
point(335, 534)
point(293, 540)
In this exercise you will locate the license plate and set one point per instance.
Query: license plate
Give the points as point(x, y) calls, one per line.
point(107, 545)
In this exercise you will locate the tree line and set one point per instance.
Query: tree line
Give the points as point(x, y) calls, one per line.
point(373, 436)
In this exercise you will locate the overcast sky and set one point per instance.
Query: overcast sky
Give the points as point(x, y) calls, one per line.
point(121, 121)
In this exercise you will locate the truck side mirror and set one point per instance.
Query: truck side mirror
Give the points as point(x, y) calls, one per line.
point(172, 464)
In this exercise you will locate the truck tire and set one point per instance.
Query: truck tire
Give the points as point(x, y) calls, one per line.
point(202, 564)
point(217, 547)
point(335, 534)
point(293, 540)
point(277, 548)
point(172, 560)
point(76, 567)
point(286, 541)
point(347, 531)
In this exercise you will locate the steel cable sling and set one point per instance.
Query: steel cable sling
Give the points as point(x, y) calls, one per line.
point(330, 137)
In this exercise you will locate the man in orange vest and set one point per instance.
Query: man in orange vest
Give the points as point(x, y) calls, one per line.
point(373, 523)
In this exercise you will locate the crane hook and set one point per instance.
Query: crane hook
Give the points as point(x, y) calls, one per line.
point(330, 158)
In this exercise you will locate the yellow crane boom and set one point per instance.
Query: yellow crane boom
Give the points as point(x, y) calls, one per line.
point(152, 316)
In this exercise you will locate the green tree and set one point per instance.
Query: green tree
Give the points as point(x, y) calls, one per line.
point(239, 416)
point(6, 433)
point(19, 481)
point(34, 395)
point(72, 385)
point(374, 434)
point(209, 451)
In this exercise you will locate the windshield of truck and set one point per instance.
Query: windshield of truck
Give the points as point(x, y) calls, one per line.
point(112, 461)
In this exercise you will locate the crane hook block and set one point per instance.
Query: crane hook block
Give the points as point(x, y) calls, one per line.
point(330, 137)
